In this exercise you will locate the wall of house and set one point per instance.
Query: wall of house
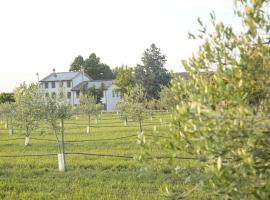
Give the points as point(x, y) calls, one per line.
point(111, 98)
point(50, 90)
point(77, 80)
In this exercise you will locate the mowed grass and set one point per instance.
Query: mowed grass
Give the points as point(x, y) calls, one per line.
point(91, 177)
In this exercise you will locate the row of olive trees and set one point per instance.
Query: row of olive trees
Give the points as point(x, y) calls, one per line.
point(136, 106)
point(7, 112)
point(31, 107)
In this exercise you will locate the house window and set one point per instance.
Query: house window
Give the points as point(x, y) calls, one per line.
point(77, 94)
point(69, 95)
point(68, 84)
point(53, 95)
point(53, 84)
point(46, 85)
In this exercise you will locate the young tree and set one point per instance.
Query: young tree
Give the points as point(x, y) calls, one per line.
point(58, 108)
point(123, 108)
point(124, 79)
point(29, 109)
point(8, 109)
point(167, 99)
point(152, 74)
point(88, 107)
point(224, 116)
point(135, 105)
point(98, 108)
point(151, 107)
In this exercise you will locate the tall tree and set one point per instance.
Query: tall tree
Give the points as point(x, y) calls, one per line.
point(77, 64)
point(152, 74)
point(97, 70)
point(92, 67)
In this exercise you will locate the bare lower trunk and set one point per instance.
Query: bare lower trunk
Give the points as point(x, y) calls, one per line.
point(63, 162)
point(140, 132)
point(10, 131)
point(27, 137)
point(126, 121)
point(6, 125)
point(89, 123)
point(27, 140)
point(57, 139)
point(154, 128)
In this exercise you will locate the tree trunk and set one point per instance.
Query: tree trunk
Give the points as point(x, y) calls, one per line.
point(61, 157)
point(140, 133)
point(57, 140)
point(155, 128)
point(27, 137)
point(6, 125)
point(10, 127)
point(89, 123)
point(61, 162)
point(126, 121)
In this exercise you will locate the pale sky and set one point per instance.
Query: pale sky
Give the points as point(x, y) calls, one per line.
point(39, 35)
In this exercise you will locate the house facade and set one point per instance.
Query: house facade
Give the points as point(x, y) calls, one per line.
point(72, 82)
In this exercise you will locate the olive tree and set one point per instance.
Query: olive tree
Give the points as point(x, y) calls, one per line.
point(29, 109)
point(167, 101)
point(135, 105)
point(97, 112)
point(151, 107)
point(224, 116)
point(88, 107)
point(8, 109)
point(123, 109)
point(58, 108)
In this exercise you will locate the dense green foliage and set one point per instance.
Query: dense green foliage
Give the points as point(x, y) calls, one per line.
point(92, 67)
point(124, 79)
point(77, 64)
point(152, 74)
point(223, 117)
point(6, 97)
point(97, 93)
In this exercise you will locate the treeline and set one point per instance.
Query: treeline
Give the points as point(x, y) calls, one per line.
point(151, 74)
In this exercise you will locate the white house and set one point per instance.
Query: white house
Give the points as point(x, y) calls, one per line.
point(74, 81)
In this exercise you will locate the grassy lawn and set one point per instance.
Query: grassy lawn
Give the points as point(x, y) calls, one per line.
point(91, 177)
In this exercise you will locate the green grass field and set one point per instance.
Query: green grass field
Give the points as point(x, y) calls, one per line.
point(92, 177)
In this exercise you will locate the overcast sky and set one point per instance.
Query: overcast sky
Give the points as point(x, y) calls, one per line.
point(38, 35)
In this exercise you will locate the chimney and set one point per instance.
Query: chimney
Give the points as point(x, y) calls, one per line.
point(54, 74)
